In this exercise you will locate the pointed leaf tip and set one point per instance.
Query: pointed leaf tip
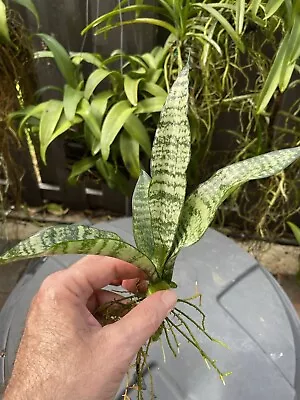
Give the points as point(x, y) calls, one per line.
point(79, 239)
point(142, 226)
point(201, 206)
point(296, 231)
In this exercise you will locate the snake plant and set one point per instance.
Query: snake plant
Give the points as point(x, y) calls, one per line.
point(165, 219)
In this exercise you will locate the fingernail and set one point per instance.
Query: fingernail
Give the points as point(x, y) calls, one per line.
point(169, 298)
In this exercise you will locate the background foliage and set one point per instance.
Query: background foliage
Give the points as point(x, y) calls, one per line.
point(244, 101)
point(244, 79)
point(116, 124)
point(17, 85)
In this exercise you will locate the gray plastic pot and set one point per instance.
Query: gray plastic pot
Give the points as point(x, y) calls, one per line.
point(245, 308)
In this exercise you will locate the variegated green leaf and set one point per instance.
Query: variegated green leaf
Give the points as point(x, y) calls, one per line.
point(201, 206)
point(142, 227)
point(168, 268)
point(79, 239)
point(170, 159)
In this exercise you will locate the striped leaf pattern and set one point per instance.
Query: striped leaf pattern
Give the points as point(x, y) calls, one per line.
point(142, 227)
point(170, 158)
point(164, 221)
point(201, 206)
point(79, 239)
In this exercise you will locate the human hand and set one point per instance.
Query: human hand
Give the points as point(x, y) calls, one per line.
point(64, 352)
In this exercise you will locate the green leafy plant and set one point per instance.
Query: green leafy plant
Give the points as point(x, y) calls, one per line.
point(4, 26)
point(114, 124)
point(285, 61)
point(17, 86)
point(296, 231)
point(165, 220)
point(239, 73)
point(192, 21)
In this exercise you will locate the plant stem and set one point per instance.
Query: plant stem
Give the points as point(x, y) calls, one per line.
point(155, 287)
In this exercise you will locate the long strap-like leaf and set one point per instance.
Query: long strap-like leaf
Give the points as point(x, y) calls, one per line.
point(170, 158)
point(200, 208)
point(62, 59)
point(48, 123)
point(79, 239)
point(142, 227)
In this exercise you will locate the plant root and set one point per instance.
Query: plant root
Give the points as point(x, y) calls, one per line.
point(175, 327)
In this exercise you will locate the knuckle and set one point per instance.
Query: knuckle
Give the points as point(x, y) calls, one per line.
point(50, 288)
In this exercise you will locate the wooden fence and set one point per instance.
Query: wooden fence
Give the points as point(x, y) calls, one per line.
point(65, 20)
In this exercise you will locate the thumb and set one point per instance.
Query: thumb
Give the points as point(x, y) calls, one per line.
point(142, 322)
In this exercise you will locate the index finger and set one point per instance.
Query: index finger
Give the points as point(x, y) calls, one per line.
point(95, 272)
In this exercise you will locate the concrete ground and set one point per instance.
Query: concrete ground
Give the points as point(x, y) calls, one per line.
point(281, 261)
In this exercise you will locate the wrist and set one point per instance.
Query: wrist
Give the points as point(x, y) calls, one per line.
point(27, 389)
